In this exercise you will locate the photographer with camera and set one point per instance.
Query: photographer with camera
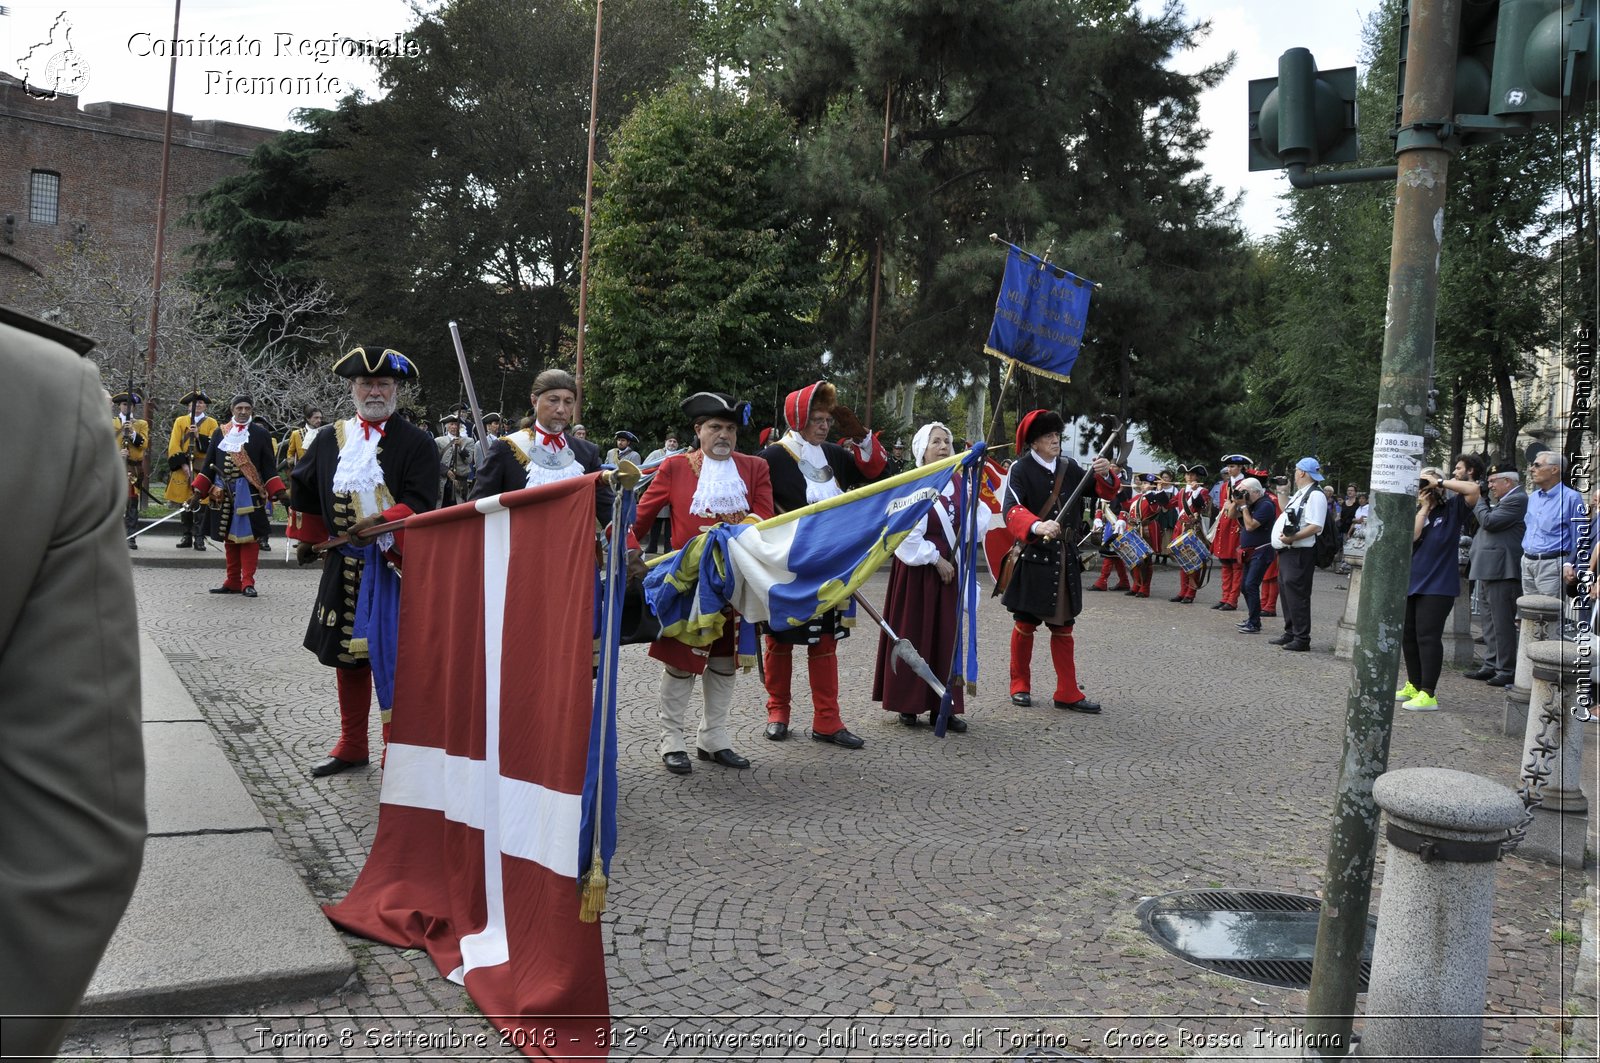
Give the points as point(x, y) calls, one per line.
point(1252, 508)
point(1295, 539)
point(1435, 582)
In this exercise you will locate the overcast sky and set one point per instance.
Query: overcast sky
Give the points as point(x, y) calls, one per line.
point(122, 45)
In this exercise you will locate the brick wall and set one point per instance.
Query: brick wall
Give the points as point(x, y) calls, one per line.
point(108, 156)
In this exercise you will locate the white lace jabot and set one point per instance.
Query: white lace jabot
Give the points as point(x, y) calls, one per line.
point(720, 489)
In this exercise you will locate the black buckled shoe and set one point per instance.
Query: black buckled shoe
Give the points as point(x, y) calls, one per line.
point(908, 718)
point(777, 732)
point(1091, 707)
point(677, 763)
point(249, 592)
point(186, 542)
point(223, 590)
point(841, 737)
point(954, 723)
point(1023, 698)
point(726, 757)
point(333, 766)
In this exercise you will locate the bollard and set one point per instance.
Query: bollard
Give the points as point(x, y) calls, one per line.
point(1344, 639)
point(1459, 650)
point(1430, 963)
point(1552, 751)
point(1535, 615)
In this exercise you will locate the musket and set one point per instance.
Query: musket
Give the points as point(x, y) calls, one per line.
point(466, 380)
point(901, 649)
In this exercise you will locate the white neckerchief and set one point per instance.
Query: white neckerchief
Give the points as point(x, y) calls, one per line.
point(720, 490)
point(528, 440)
point(235, 438)
point(812, 452)
point(1050, 466)
point(307, 434)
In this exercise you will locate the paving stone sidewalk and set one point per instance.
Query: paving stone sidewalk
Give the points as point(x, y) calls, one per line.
point(827, 901)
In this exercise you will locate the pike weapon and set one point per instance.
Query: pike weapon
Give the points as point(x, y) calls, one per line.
point(901, 649)
point(466, 380)
point(1076, 496)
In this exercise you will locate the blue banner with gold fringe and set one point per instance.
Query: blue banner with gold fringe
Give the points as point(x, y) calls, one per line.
point(1039, 315)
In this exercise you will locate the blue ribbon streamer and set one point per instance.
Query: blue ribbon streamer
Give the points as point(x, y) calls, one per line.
point(600, 771)
point(377, 617)
point(966, 554)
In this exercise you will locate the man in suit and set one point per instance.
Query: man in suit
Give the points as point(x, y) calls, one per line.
point(1495, 561)
point(806, 469)
point(544, 452)
point(713, 485)
point(71, 751)
point(367, 470)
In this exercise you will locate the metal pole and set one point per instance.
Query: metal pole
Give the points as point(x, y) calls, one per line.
point(1396, 461)
point(161, 227)
point(588, 205)
point(877, 270)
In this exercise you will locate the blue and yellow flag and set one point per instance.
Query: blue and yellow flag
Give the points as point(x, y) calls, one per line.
point(796, 566)
point(1039, 316)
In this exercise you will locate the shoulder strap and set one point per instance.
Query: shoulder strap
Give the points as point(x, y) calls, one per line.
point(1055, 491)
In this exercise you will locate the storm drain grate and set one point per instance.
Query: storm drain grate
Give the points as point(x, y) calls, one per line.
point(1255, 935)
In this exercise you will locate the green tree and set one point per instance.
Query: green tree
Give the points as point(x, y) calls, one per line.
point(458, 189)
point(1043, 122)
point(703, 276)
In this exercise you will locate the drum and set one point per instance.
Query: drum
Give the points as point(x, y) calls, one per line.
point(1131, 547)
point(1190, 552)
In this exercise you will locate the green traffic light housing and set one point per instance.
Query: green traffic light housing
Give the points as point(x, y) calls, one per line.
point(1541, 58)
point(1303, 117)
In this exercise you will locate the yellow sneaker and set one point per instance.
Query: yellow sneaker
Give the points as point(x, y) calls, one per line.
point(1423, 702)
point(1407, 692)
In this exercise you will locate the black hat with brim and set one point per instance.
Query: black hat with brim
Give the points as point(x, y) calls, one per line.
point(705, 404)
point(131, 398)
point(193, 397)
point(375, 360)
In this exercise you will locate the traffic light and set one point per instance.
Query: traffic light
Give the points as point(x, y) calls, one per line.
point(1303, 116)
point(1540, 59)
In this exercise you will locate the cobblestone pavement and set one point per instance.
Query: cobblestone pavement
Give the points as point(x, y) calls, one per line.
point(828, 900)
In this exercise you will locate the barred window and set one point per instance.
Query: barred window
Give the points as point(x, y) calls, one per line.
point(44, 198)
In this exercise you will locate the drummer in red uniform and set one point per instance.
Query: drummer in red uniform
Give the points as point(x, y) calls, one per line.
point(1225, 539)
point(1194, 505)
point(1141, 517)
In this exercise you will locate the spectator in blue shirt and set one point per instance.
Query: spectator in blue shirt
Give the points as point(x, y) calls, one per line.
point(1435, 582)
point(1551, 540)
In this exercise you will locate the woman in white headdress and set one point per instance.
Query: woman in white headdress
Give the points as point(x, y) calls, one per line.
point(922, 599)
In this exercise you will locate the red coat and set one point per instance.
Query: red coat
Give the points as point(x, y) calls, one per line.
point(1225, 539)
point(674, 485)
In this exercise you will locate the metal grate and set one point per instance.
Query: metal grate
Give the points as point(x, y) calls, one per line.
point(1254, 935)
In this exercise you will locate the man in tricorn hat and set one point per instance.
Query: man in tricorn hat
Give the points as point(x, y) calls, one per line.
point(806, 468)
point(456, 467)
point(712, 485)
point(133, 437)
point(1225, 537)
point(235, 474)
point(1194, 505)
point(545, 451)
point(625, 450)
point(191, 434)
point(1046, 585)
point(368, 469)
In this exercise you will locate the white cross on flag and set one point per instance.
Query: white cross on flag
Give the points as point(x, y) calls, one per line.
point(476, 854)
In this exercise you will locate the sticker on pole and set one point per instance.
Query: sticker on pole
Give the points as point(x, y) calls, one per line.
point(1396, 463)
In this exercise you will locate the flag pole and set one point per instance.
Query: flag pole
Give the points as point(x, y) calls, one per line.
point(877, 270)
point(588, 209)
point(161, 226)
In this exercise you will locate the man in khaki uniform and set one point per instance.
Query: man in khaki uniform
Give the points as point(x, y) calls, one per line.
point(71, 752)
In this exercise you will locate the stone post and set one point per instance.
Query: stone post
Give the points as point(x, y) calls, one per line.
point(1560, 825)
point(1344, 639)
point(1535, 614)
point(1430, 963)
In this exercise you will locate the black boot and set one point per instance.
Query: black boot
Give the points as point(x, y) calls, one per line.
point(186, 522)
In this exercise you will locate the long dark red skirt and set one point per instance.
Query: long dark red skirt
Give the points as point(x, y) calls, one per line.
point(921, 608)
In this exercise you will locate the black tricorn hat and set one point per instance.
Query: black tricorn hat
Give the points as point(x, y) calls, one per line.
point(704, 404)
point(449, 418)
point(132, 399)
point(1195, 470)
point(375, 360)
point(492, 417)
point(195, 396)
